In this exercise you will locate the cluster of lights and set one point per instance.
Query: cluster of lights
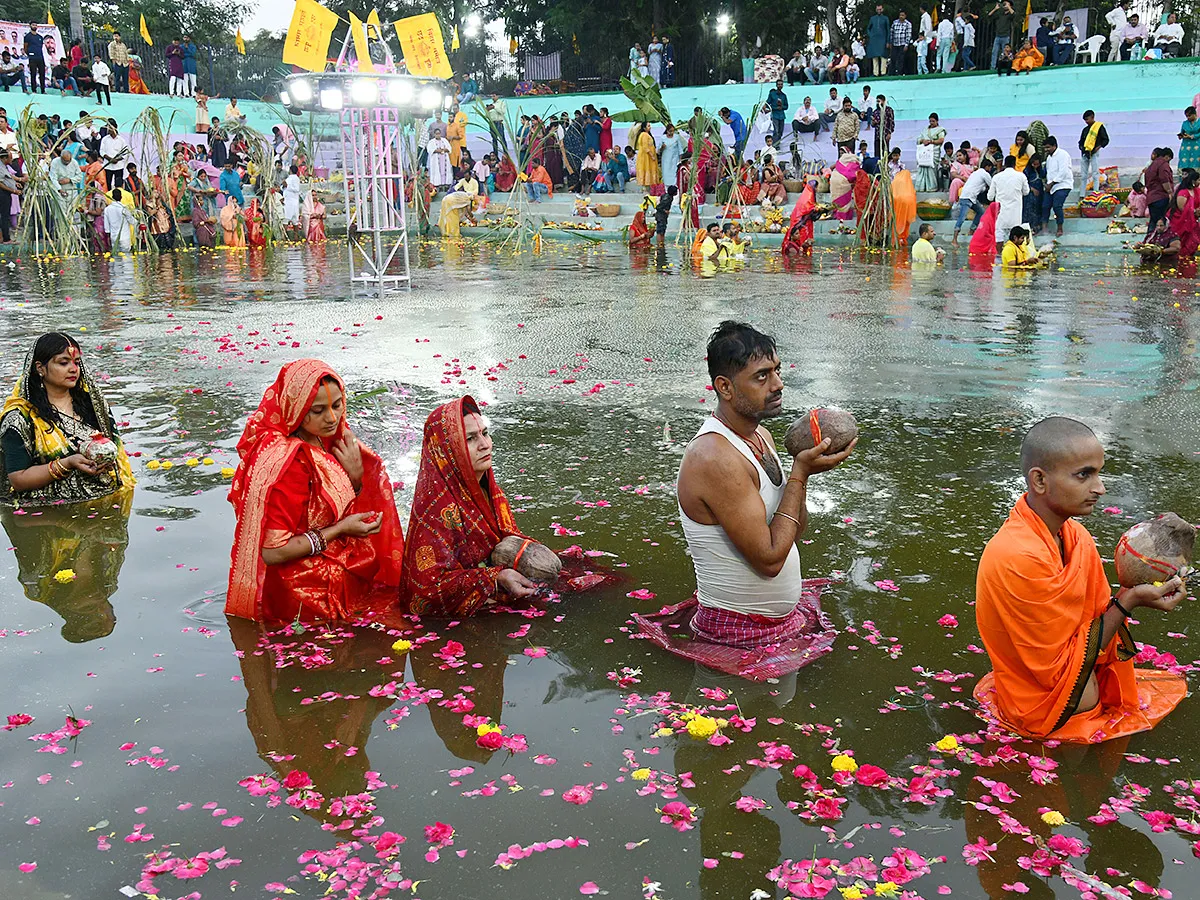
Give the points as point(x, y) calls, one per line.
point(334, 91)
point(723, 23)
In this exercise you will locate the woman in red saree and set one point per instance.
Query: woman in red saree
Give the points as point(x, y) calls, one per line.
point(317, 536)
point(506, 177)
point(799, 235)
point(639, 231)
point(459, 514)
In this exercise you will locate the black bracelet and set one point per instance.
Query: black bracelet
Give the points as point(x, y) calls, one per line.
point(1114, 602)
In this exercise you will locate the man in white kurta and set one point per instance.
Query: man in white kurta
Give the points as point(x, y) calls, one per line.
point(119, 223)
point(441, 173)
point(67, 178)
point(1009, 189)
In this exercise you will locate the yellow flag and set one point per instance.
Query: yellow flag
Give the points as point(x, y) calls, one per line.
point(308, 36)
point(423, 46)
point(238, 42)
point(374, 27)
point(454, 44)
point(1028, 11)
point(818, 35)
point(49, 18)
point(146, 32)
point(512, 46)
point(359, 35)
point(935, 15)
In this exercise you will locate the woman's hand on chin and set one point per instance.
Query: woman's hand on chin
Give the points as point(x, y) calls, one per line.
point(348, 452)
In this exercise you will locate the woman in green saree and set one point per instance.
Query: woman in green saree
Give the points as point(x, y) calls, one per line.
point(58, 443)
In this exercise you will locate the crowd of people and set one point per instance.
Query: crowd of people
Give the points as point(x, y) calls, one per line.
point(656, 62)
point(99, 189)
point(318, 537)
point(929, 44)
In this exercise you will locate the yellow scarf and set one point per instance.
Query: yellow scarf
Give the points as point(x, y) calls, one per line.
point(1089, 141)
point(49, 442)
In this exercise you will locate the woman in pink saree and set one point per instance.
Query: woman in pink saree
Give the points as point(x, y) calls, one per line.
point(841, 186)
point(960, 171)
point(1183, 215)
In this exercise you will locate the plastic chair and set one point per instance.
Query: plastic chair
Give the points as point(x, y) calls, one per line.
point(1090, 48)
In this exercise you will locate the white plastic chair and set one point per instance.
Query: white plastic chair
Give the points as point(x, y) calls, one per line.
point(1090, 48)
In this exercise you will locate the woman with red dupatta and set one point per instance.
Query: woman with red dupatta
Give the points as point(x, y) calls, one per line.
point(459, 515)
point(317, 536)
point(507, 176)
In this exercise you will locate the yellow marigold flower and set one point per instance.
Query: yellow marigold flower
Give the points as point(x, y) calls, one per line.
point(948, 744)
point(721, 723)
point(166, 464)
point(1053, 818)
point(702, 727)
point(486, 728)
point(208, 460)
point(854, 892)
point(402, 646)
point(844, 763)
point(63, 576)
point(664, 732)
point(226, 472)
point(887, 889)
point(154, 464)
point(640, 774)
point(192, 462)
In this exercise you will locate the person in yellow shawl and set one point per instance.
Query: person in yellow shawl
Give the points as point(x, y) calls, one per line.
point(58, 443)
point(648, 173)
point(456, 204)
point(1028, 58)
point(232, 223)
point(456, 134)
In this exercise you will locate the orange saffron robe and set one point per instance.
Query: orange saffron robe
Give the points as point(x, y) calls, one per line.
point(1040, 620)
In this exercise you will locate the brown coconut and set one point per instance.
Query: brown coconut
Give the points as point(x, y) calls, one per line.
point(537, 563)
point(836, 424)
point(1166, 543)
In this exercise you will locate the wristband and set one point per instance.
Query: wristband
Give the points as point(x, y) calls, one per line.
point(1114, 602)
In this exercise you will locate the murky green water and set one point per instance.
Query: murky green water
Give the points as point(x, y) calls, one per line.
point(943, 370)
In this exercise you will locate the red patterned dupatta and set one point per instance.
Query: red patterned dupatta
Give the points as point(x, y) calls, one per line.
point(285, 487)
point(457, 519)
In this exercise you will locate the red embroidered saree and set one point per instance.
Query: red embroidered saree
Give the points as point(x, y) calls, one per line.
point(284, 487)
point(457, 520)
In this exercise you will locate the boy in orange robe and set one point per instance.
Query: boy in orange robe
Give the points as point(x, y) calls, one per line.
point(1045, 613)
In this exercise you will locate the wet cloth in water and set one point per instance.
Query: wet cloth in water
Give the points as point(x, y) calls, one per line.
point(752, 647)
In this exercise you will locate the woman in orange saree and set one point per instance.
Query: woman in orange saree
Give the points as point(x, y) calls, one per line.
point(459, 514)
point(317, 536)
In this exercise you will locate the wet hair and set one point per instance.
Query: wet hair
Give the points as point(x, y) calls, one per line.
point(1017, 231)
point(1050, 440)
point(732, 346)
point(47, 347)
point(925, 228)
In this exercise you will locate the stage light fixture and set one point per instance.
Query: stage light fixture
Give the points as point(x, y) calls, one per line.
point(399, 93)
point(364, 92)
point(332, 98)
point(302, 91)
point(431, 98)
point(285, 98)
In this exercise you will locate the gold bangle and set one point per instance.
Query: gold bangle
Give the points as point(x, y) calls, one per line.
point(786, 516)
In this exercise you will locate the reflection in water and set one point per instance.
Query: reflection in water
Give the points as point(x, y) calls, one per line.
point(295, 730)
point(88, 539)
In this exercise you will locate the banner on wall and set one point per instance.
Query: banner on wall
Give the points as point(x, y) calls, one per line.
point(423, 46)
point(12, 39)
point(307, 44)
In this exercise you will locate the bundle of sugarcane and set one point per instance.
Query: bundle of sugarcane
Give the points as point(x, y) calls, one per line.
point(49, 221)
point(877, 218)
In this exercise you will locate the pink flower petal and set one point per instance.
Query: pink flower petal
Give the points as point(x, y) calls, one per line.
point(589, 887)
point(27, 867)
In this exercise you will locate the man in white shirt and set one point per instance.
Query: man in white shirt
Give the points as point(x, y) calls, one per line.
point(1065, 37)
point(102, 79)
point(1169, 37)
point(1116, 18)
point(8, 140)
point(1009, 189)
point(815, 70)
point(806, 120)
point(67, 178)
point(968, 45)
point(945, 38)
point(1132, 35)
point(118, 224)
point(795, 68)
point(977, 185)
point(114, 150)
point(1060, 178)
point(926, 26)
point(832, 106)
